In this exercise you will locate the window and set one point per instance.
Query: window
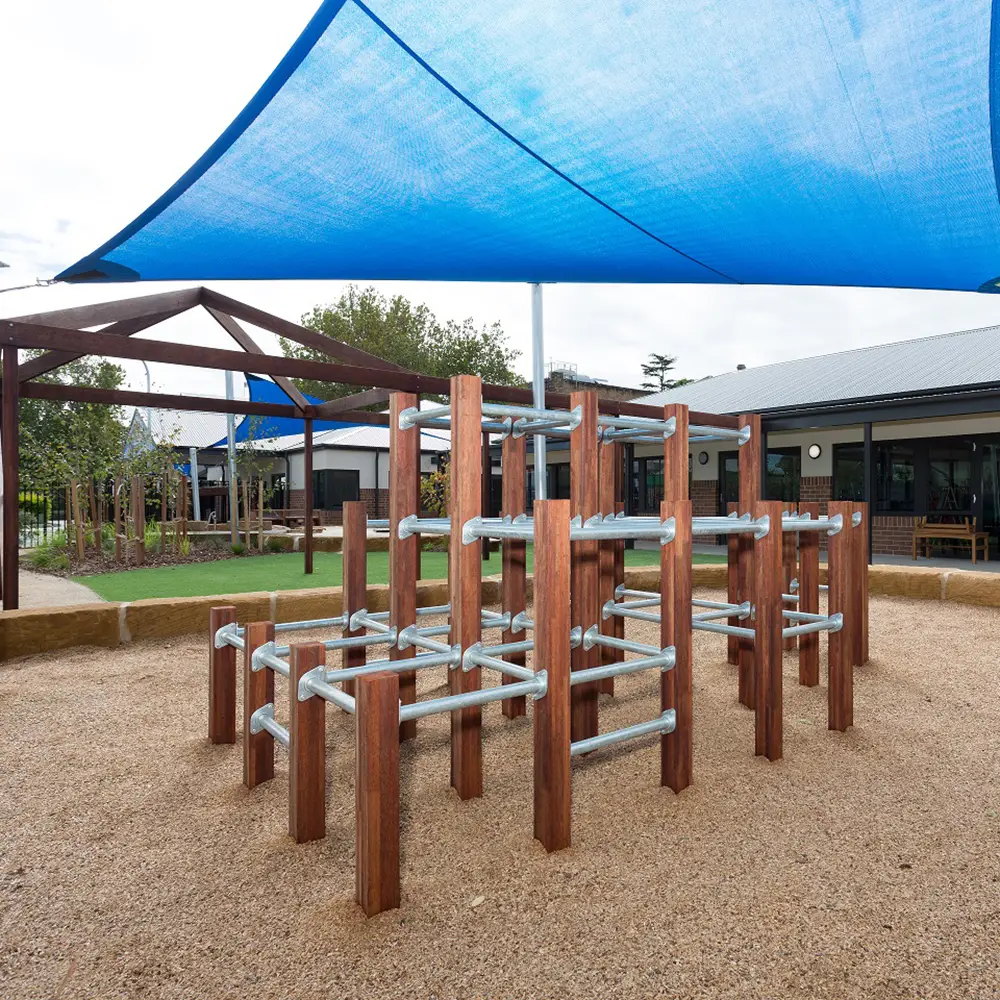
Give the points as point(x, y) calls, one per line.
point(895, 477)
point(848, 472)
point(784, 471)
point(950, 477)
point(729, 479)
point(332, 487)
point(557, 480)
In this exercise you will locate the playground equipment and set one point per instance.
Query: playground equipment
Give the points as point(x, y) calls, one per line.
point(575, 630)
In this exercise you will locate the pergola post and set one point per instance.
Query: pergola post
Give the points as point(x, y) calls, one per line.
point(9, 445)
point(307, 461)
point(750, 492)
point(354, 594)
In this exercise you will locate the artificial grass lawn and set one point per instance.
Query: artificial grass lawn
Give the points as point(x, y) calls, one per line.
point(283, 571)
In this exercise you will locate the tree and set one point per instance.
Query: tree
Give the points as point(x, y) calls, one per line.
point(408, 335)
point(655, 371)
point(66, 440)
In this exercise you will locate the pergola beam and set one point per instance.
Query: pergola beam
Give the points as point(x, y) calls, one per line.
point(79, 317)
point(251, 347)
point(335, 407)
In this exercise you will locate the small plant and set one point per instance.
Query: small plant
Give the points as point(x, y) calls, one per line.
point(238, 548)
point(185, 547)
point(274, 545)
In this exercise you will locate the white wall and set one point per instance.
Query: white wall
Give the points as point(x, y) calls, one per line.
point(350, 458)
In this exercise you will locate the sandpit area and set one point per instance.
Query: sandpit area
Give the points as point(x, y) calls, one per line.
point(133, 863)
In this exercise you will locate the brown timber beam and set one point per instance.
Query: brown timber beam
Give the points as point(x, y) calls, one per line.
point(9, 445)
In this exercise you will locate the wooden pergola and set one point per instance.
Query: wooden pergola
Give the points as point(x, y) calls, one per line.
point(107, 330)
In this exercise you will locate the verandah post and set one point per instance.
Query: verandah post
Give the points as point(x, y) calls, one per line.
point(552, 713)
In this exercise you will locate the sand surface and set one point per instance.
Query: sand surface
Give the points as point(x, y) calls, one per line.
point(134, 864)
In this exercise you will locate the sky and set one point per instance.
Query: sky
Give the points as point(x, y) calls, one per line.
point(103, 105)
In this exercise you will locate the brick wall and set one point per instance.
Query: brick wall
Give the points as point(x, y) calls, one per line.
point(816, 489)
point(704, 497)
point(892, 534)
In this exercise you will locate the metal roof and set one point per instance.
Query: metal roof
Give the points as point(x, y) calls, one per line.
point(370, 436)
point(184, 428)
point(950, 361)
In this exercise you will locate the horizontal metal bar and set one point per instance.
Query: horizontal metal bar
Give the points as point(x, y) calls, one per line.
point(531, 413)
point(720, 433)
point(592, 637)
point(721, 629)
point(803, 616)
point(378, 523)
point(419, 662)
point(508, 648)
point(520, 622)
point(664, 659)
point(666, 723)
point(622, 591)
point(475, 656)
point(734, 611)
point(361, 619)
point(314, 683)
point(833, 624)
point(228, 635)
point(263, 721)
point(411, 636)
point(536, 687)
point(266, 656)
point(610, 608)
point(339, 622)
point(644, 602)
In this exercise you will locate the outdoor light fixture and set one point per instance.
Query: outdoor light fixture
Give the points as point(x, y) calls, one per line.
point(703, 458)
point(815, 451)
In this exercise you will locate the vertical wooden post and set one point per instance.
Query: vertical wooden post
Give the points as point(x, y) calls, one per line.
point(861, 581)
point(552, 714)
point(118, 520)
point(260, 513)
point(750, 492)
point(840, 708)
point(10, 435)
point(585, 570)
point(377, 793)
point(809, 597)
point(74, 491)
point(404, 553)
point(355, 576)
point(733, 586)
point(675, 454)
point(767, 646)
point(221, 679)
point(95, 517)
point(258, 690)
point(789, 572)
point(513, 555)
point(465, 578)
point(610, 476)
point(306, 749)
point(139, 518)
point(163, 513)
point(487, 481)
point(307, 456)
point(676, 685)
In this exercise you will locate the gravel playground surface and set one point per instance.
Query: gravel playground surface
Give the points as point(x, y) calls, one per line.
point(134, 864)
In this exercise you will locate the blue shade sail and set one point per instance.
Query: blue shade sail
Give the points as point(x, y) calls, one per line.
point(826, 142)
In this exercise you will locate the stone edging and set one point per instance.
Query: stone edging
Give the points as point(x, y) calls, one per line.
point(39, 630)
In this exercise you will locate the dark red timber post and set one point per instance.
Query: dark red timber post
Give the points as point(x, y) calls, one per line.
point(306, 748)
point(10, 447)
point(404, 477)
point(354, 595)
point(258, 691)
point(809, 597)
point(861, 579)
point(675, 630)
point(552, 714)
point(789, 572)
point(585, 569)
point(307, 472)
point(840, 708)
point(733, 586)
point(221, 679)
point(514, 555)
point(750, 492)
point(767, 643)
point(610, 476)
point(376, 793)
point(465, 575)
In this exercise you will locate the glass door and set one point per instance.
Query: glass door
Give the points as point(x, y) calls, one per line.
point(989, 500)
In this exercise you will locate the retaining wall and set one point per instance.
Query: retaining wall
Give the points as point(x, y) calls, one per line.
point(38, 630)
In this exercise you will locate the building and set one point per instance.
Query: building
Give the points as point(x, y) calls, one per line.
point(911, 427)
point(564, 377)
point(350, 461)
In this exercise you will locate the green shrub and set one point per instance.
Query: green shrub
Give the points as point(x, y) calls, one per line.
point(238, 548)
point(274, 545)
point(185, 547)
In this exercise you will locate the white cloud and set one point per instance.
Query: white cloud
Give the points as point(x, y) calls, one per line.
point(106, 104)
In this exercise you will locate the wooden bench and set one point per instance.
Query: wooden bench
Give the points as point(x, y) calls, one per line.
point(924, 531)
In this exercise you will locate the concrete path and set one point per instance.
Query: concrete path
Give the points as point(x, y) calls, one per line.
point(39, 590)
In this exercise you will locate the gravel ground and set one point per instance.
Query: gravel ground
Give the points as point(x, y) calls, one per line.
point(134, 864)
point(41, 590)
